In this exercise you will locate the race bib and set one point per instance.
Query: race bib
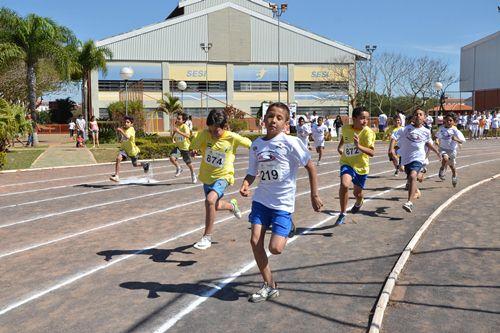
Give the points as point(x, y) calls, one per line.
point(351, 150)
point(179, 138)
point(215, 158)
point(270, 172)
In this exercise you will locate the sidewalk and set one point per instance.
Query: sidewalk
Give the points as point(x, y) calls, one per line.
point(451, 281)
point(62, 152)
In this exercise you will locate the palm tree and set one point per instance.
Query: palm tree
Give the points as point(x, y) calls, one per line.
point(170, 105)
point(89, 58)
point(32, 39)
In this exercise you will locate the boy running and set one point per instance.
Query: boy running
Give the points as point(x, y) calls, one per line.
point(318, 134)
point(218, 147)
point(449, 137)
point(356, 147)
point(128, 148)
point(275, 160)
point(412, 141)
point(303, 131)
point(181, 135)
point(395, 161)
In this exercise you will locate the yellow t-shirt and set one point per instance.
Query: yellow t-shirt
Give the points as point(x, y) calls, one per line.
point(181, 141)
point(352, 156)
point(218, 155)
point(129, 144)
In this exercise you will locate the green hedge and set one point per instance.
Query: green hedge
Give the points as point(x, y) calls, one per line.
point(3, 159)
point(150, 150)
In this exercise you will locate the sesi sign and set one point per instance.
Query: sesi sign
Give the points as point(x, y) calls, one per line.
point(191, 73)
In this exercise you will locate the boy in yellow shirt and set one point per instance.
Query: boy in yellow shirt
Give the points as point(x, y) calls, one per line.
point(218, 147)
point(356, 147)
point(128, 148)
point(181, 134)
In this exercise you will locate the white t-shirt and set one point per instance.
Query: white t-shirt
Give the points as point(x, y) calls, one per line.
point(72, 125)
point(275, 163)
point(402, 117)
point(429, 120)
point(80, 124)
point(318, 132)
point(382, 119)
point(495, 122)
point(445, 134)
point(411, 141)
point(312, 119)
point(293, 121)
point(330, 123)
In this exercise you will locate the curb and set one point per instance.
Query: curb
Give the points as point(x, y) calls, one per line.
point(385, 295)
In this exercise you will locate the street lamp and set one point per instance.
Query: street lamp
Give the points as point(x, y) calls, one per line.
point(126, 73)
point(278, 10)
point(370, 49)
point(206, 48)
point(182, 85)
point(440, 92)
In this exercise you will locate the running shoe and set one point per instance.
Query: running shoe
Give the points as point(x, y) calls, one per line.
point(178, 172)
point(236, 209)
point(441, 174)
point(454, 181)
point(396, 172)
point(340, 219)
point(318, 163)
point(407, 186)
point(194, 180)
point(265, 293)
point(408, 206)
point(145, 167)
point(292, 232)
point(114, 178)
point(204, 243)
point(357, 207)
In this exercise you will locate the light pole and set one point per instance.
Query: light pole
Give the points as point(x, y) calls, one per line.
point(370, 49)
point(440, 93)
point(277, 12)
point(206, 48)
point(126, 73)
point(182, 85)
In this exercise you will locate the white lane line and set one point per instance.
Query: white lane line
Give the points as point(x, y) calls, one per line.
point(79, 276)
point(209, 293)
point(386, 293)
point(104, 190)
point(80, 233)
point(39, 217)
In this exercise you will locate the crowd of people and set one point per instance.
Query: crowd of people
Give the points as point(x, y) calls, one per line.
point(274, 161)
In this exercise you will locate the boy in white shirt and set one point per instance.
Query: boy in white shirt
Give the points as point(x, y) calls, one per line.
point(412, 141)
point(495, 124)
point(275, 160)
point(303, 131)
point(318, 134)
point(449, 137)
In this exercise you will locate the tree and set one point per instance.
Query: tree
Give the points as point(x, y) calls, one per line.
point(135, 110)
point(64, 111)
point(170, 105)
point(12, 122)
point(89, 58)
point(33, 39)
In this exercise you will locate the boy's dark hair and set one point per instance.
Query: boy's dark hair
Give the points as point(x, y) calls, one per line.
point(282, 106)
point(358, 111)
point(184, 116)
point(452, 115)
point(301, 118)
point(129, 118)
point(418, 109)
point(320, 118)
point(217, 118)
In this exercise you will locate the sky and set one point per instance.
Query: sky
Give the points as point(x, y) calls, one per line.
point(437, 28)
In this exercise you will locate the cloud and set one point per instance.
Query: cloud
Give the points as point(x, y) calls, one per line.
point(451, 49)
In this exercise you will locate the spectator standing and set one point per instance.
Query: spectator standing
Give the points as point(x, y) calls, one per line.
point(293, 124)
point(189, 123)
point(382, 122)
point(81, 126)
point(338, 126)
point(72, 127)
point(94, 129)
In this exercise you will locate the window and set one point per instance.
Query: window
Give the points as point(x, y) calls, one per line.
point(320, 86)
point(323, 111)
point(259, 86)
point(119, 85)
point(200, 86)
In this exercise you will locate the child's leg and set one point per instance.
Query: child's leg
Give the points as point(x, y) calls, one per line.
point(412, 185)
point(119, 158)
point(210, 204)
point(345, 182)
point(93, 139)
point(358, 194)
point(190, 166)
point(97, 138)
point(320, 151)
point(259, 253)
point(444, 163)
point(173, 160)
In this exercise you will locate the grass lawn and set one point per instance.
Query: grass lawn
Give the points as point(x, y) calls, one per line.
point(103, 155)
point(22, 158)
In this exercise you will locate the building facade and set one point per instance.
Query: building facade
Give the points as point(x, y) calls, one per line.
point(241, 66)
point(480, 72)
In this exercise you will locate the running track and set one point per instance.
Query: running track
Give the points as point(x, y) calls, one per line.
point(80, 254)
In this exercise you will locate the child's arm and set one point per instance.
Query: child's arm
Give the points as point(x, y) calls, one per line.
point(392, 151)
point(186, 135)
point(431, 146)
point(370, 151)
point(245, 187)
point(313, 183)
point(340, 148)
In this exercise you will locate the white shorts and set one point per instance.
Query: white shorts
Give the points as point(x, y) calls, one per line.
point(319, 143)
point(452, 155)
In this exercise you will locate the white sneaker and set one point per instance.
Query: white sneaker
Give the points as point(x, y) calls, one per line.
point(114, 178)
point(265, 293)
point(408, 206)
point(194, 180)
point(236, 209)
point(204, 243)
point(178, 172)
point(454, 181)
point(318, 163)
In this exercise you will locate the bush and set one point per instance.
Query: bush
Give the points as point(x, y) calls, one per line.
point(3, 159)
point(107, 131)
point(238, 125)
point(12, 123)
point(379, 135)
point(150, 150)
point(135, 110)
